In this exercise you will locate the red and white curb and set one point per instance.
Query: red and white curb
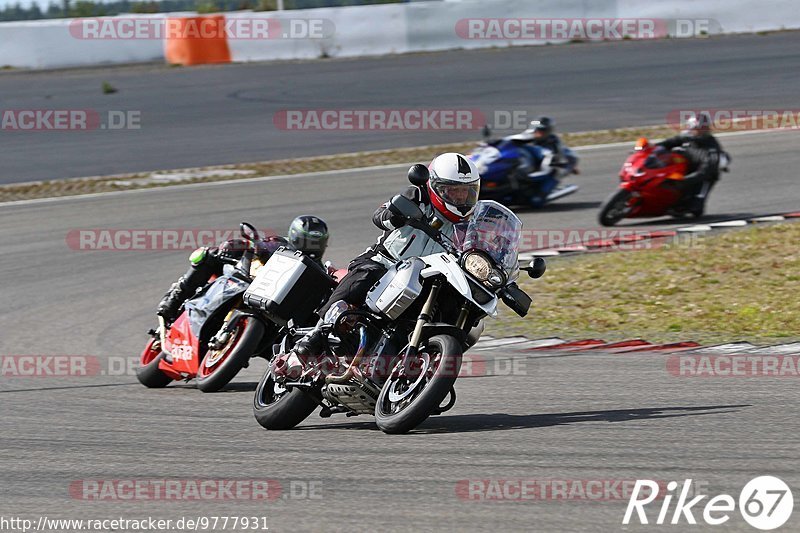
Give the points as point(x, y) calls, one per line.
point(618, 242)
point(555, 344)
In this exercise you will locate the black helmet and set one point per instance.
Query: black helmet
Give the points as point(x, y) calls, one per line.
point(309, 234)
point(545, 125)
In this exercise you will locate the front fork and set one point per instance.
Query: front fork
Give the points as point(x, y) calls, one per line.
point(416, 336)
point(222, 336)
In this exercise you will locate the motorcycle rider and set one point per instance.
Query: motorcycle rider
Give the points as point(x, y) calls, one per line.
point(448, 198)
point(541, 132)
point(307, 233)
point(703, 153)
point(535, 164)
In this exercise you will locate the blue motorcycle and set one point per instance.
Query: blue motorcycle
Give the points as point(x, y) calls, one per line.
point(514, 172)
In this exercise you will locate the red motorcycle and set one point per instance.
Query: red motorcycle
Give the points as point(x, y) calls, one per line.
point(217, 333)
point(650, 185)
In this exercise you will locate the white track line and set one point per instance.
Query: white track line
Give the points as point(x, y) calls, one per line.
point(731, 348)
point(695, 229)
point(497, 343)
point(729, 224)
point(293, 176)
point(773, 218)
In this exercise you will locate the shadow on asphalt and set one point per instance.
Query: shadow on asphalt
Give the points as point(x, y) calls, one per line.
point(239, 386)
point(502, 421)
point(705, 219)
point(69, 387)
point(242, 386)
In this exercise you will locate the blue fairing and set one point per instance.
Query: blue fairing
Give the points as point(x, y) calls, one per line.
point(497, 180)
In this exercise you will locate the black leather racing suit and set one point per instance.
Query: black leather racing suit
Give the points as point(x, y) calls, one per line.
point(207, 262)
point(397, 242)
point(703, 154)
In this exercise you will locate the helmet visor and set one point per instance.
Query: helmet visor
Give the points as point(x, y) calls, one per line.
point(463, 196)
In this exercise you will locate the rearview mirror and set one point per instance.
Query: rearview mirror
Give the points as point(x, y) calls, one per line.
point(248, 231)
point(418, 175)
point(402, 206)
point(536, 268)
point(486, 132)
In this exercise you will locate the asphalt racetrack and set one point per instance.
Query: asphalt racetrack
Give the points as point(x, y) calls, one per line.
point(218, 115)
point(571, 418)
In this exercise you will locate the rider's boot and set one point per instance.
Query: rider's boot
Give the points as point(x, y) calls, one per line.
point(313, 343)
point(178, 293)
point(182, 290)
point(305, 351)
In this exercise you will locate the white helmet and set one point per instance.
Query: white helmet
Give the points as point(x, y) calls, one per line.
point(454, 186)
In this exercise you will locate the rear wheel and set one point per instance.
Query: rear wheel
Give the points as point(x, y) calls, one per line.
point(406, 401)
point(148, 372)
point(276, 407)
point(219, 367)
point(615, 208)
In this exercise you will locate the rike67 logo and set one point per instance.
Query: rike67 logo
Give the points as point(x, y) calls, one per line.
point(765, 503)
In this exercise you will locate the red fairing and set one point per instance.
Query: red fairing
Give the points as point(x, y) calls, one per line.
point(184, 347)
point(655, 190)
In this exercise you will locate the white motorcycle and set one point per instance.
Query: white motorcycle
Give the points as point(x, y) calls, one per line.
point(399, 357)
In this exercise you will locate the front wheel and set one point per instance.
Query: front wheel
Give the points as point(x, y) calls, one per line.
point(407, 400)
point(276, 407)
point(219, 367)
point(148, 372)
point(615, 208)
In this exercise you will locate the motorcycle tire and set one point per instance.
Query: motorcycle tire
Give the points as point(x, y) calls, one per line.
point(285, 412)
point(148, 372)
point(248, 335)
point(613, 208)
point(430, 398)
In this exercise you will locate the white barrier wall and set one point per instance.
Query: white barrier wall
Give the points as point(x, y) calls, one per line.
point(358, 31)
point(49, 44)
point(382, 29)
point(734, 16)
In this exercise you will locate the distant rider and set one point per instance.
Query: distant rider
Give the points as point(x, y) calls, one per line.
point(307, 233)
point(535, 163)
point(703, 152)
point(541, 133)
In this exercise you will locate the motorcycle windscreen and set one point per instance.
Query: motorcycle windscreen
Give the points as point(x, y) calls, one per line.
point(212, 297)
point(496, 231)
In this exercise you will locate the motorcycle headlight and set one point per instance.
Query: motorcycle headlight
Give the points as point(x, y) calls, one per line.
point(478, 265)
